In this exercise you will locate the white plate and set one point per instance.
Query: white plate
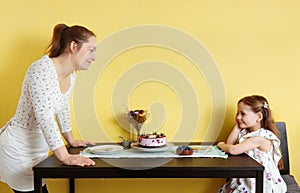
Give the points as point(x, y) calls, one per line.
point(151, 149)
point(201, 148)
point(105, 149)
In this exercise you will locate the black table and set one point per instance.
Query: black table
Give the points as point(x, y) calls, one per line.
point(240, 166)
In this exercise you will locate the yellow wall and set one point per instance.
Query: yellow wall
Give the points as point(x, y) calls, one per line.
point(255, 45)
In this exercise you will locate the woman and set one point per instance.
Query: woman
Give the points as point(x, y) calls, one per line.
point(44, 108)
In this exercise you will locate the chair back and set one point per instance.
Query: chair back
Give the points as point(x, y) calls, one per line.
point(281, 126)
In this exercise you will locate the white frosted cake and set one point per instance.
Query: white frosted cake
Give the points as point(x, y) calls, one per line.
point(152, 140)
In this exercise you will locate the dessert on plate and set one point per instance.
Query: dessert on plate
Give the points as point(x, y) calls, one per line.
point(136, 118)
point(184, 150)
point(152, 140)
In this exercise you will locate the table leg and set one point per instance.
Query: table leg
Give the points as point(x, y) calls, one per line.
point(37, 184)
point(71, 185)
point(260, 182)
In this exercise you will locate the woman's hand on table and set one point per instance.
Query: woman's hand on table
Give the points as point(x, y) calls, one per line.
point(72, 159)
point(78, 160)
point(81, 143)
point(75, 143)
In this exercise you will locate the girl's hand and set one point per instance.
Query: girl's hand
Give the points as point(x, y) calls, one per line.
point(237, 127)
point(81, 143)
point(220, 144)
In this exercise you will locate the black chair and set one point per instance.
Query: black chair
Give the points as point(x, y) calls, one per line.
point(292, 186)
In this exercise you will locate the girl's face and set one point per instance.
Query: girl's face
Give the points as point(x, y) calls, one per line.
point(86, 54)
point(246, 118)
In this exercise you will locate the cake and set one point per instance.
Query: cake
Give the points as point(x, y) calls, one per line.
point(152, 140)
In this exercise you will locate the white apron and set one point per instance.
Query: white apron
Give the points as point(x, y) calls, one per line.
point(20, 150)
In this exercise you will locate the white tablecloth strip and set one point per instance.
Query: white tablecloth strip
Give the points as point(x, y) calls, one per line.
point(200, 151)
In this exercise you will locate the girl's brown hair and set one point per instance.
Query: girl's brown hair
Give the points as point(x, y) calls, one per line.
point(63, 35)
point(260, 104)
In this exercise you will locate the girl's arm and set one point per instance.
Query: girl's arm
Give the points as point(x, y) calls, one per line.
point(247, 145)
point(233, 137)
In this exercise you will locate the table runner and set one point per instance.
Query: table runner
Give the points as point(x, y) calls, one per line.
point(201, 151)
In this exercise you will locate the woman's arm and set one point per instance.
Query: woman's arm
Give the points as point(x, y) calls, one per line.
point(75, 143)
point(68, 159)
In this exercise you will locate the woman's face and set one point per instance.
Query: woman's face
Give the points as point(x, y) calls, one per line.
point(246, 118)
point(86, 54)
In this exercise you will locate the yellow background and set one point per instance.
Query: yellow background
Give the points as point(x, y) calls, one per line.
point(254, 43)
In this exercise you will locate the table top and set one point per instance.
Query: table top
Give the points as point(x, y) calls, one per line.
point(233, 166)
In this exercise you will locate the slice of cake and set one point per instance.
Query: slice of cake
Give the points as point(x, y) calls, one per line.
point(152, 140)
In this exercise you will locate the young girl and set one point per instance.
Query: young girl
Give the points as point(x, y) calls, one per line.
point(255, 133)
